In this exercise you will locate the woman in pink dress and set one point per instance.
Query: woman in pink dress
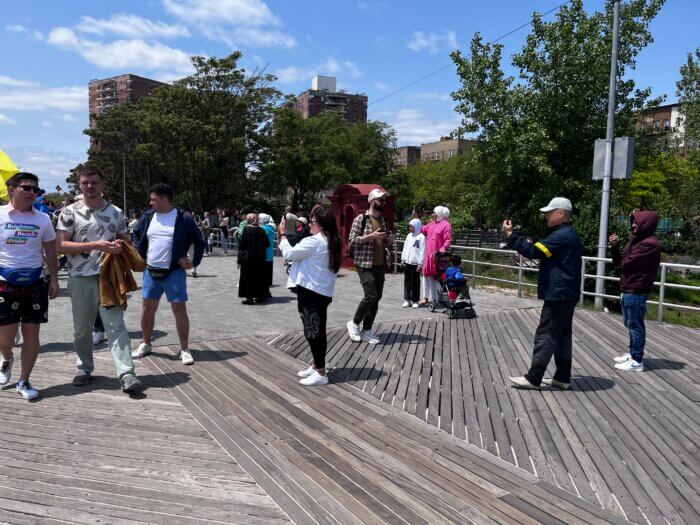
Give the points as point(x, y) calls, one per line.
point(438, 237)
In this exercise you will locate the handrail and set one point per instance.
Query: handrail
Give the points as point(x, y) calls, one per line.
point(522, 267)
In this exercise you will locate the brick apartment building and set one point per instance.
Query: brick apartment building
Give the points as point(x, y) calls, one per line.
point(445, 148)
point(108, 92)
point(324, 97)
point(406, 156)
point(665, 122)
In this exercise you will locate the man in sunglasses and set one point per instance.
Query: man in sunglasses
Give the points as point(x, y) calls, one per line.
point(86, 231)
point(25, 236)
point(369, 242)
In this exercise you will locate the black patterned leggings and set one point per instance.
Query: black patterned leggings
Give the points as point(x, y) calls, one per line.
point(313, 310)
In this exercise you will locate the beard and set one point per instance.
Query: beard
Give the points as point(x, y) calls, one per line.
point(379, 207)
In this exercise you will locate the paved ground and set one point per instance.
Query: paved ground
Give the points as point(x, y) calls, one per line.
point(216, 311)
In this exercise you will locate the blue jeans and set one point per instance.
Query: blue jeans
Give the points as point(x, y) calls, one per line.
point(634, 307)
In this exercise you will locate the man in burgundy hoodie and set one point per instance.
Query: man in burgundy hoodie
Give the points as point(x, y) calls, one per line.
point(638, 264)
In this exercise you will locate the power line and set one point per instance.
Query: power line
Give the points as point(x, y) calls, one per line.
point(428, 75)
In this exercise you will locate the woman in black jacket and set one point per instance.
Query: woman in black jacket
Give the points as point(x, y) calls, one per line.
point(253, 285)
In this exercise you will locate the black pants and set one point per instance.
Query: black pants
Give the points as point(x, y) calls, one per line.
point(411, 283)
point(553, 337)
point(313, 310)
point(372, 280)
point(98, 326)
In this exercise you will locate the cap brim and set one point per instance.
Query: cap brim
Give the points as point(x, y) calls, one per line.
point(547, 209)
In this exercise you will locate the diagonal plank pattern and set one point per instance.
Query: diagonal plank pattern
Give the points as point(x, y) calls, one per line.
point(95, 455)
point(338, 455)
point(626, 442)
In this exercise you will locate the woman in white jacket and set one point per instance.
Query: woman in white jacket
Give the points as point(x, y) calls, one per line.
point(412, 261)
point(315, 264)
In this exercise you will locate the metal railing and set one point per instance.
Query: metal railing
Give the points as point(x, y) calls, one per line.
point(526, 265)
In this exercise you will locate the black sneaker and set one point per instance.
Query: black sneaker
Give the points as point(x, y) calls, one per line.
point(82, 378)
point(131, 384)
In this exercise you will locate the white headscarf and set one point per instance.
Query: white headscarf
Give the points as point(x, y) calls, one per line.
point(442, 212)
point(264, 218)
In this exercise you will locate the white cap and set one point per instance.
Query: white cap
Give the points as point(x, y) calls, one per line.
point(558, 203)
point(376, 193)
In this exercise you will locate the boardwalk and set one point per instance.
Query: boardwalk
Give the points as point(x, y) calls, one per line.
point(628, 443)
point(417, 429)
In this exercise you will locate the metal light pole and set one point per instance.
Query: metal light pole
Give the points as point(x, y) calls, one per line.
point(124, 182)
point(607, 175)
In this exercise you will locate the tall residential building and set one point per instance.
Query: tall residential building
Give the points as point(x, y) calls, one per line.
point(324, 97)
point(406, 156)
point(445, 148)
point(108, 92)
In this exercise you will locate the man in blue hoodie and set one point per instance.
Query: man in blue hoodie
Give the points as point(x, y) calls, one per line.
point(165, 235)
point(559, 285)
point(638, 264)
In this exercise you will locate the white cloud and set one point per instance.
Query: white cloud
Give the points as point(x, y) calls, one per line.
point(122, 54)
point(131, 26)
point(52, 167)
point(381, 86)
point(331, 67)
point(14, 82)
point(4, 119)
point(67, 118)
point(413, 127)
point(441, 97)
point(37, 35)
point(35, 97)
point(234, 22)
point(17, 28)
point(431, 42)
point(47, 124)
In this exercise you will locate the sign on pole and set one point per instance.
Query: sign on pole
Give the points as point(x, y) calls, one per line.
point(623, 158)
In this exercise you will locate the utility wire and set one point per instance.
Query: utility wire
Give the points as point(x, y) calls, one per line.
point(428, 75)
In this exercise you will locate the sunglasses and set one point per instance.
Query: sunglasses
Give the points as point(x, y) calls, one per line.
point(28, 188)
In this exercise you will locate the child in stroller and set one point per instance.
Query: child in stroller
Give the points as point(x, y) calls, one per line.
point(453, 291)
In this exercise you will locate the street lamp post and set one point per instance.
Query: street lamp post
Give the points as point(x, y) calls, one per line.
point(124, 182)
point(607, 175)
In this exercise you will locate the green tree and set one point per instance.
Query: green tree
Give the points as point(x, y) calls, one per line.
point(203, 135)
point(536, 133)
point(310, 155)
point(688, 92)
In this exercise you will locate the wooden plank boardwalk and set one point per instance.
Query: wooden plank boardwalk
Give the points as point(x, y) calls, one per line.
point(95, 455)
point(338, 455)
point(625, 442)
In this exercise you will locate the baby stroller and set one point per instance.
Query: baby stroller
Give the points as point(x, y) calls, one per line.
point(447, 295)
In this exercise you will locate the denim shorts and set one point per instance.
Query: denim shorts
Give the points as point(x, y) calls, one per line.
point(174, 286)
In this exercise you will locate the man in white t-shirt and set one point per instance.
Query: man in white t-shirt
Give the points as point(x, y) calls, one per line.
point(25, 235)
point(166, 235)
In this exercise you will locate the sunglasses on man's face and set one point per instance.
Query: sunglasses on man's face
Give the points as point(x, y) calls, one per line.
point(29, 188)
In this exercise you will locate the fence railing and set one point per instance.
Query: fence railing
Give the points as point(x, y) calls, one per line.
point(522, 265)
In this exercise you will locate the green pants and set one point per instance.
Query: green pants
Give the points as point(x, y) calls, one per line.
point(85, 301)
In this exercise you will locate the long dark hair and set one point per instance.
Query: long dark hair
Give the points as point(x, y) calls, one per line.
point(326, 221)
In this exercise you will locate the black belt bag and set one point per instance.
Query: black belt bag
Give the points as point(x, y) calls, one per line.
point(158, 274)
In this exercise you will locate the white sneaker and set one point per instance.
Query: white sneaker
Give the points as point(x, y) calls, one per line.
point(186, 357)
point(416, 305)
point(6, 369)
point(26, 390)
point(142, 351)
point(97, 337)
point(405, 304)
point(315, 379)
point(555, 383)
point(623, 358)
point(522, 382)
point(354, 331)
point(368, 337)
point(307, 372)
point(630, 366)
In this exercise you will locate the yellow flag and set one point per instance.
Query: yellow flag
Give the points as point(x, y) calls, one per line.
point(7, 170)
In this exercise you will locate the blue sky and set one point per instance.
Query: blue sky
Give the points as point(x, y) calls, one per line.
point(52, 48)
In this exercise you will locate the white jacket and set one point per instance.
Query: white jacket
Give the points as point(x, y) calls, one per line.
point(309, 264)
point(413, 249)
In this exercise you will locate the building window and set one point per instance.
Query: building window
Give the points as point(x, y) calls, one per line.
point(450, 153)
point(667, 124)
point(656, 125)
